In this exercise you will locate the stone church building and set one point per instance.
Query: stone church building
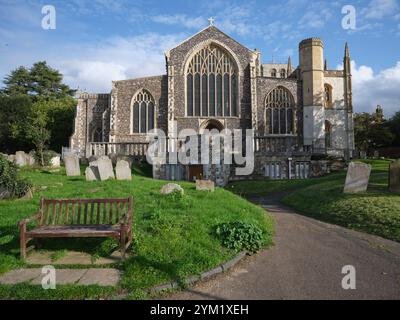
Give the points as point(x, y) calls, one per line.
point(302, 116)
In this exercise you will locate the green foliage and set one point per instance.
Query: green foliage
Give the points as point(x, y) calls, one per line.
point(36, 109)
point(10, 181)
point(40, 81)
point(47, 156)
point(394, 125)
point(172, 235)
point(14, 113)
point(240, 236)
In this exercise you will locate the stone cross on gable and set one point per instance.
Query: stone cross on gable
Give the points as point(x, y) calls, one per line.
point(211, 21)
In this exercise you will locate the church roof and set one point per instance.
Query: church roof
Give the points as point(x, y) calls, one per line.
point(203, 30)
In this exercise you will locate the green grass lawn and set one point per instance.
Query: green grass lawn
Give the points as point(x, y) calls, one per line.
point(376, 211)
point(173, 236)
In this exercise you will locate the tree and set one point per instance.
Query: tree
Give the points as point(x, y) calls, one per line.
point(39, 81)
point(362, 123)
point(14, 112)
point(36, 128)
point(394, 125)
point(18, 82)
point(24, 87)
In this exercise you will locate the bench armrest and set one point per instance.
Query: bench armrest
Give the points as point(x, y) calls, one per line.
point(27, 220)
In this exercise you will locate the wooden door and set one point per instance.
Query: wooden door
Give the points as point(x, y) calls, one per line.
point(195, 172)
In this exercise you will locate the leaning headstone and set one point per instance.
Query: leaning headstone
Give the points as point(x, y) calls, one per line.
point(105, 167)
point(205, 185)
point(123, 171)
point(55, 162)
point(170, 188)
point(92, 173)
point(28, 195)
point(20, 158)
point(357, 177)
point(71, 162)
point(394, 176)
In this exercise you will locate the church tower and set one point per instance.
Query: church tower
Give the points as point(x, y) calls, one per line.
point(311, 58)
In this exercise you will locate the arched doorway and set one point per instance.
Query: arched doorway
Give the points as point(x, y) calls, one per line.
point(211, 124)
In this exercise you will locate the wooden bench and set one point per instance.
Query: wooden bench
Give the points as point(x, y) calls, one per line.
point(64, 218)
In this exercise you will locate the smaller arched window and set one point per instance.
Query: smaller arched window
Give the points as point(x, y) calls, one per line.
point(273, 73)
point(328, 95)
point(280, 112)
point(143, 112)
point(283, 73)
point(328, 134)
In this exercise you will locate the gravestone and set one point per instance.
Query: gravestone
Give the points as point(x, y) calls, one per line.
point(205, 185)
point(29, 160)
point(71, 162)
point(123, 171)
point(170, 188)
point(11, 157)
point(20, 158)
point(92, 173)
point(105, 167)
point(55, 162)
point(357, 177)
point(394, 176)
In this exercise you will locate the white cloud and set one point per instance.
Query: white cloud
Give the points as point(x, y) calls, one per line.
point(181, 19)
point(94, 66)
point(370, 89)
point(378, 9)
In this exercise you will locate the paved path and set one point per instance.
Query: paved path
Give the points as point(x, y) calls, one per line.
point(306, 263)
point(101, 277)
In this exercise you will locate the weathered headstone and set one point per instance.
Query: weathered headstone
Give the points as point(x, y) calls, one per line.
point(357, 177)
point(394, 176)
point(170, 188)
point(92, 173)
point(55, 162)
point(123, 171)
point(4, 193)
point(20, 158)
point(205, 185)
point(28, 195)
point(105, 167)
point(11, 157)
point(376, 154)
point(29, 160)
point(71, 162)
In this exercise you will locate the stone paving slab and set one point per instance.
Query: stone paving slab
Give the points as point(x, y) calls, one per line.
point(20, 275)
point(65, 276)
point(71, 257)
point(101, 277)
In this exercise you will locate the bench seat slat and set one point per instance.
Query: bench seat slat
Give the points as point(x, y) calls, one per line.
point(75, 231)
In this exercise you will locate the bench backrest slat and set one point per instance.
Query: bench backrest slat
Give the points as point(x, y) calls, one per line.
point(84, 211)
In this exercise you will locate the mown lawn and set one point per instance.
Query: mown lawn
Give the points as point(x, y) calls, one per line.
point(376, 211)
point(173, 236)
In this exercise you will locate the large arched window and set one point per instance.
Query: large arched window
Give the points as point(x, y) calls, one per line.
point(143, 112)
point(97, 135)
point(211, 84)
point(280, 112)
point(283, 73)
point(273, 73)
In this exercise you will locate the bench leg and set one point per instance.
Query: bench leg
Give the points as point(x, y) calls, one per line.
point(22, 242)
point(122, 244)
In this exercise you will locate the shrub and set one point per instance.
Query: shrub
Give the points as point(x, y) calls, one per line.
point(9, 179)
point(240, 236)
point(47, 156)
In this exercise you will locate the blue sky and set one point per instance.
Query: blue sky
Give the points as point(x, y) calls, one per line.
point(98, 41)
